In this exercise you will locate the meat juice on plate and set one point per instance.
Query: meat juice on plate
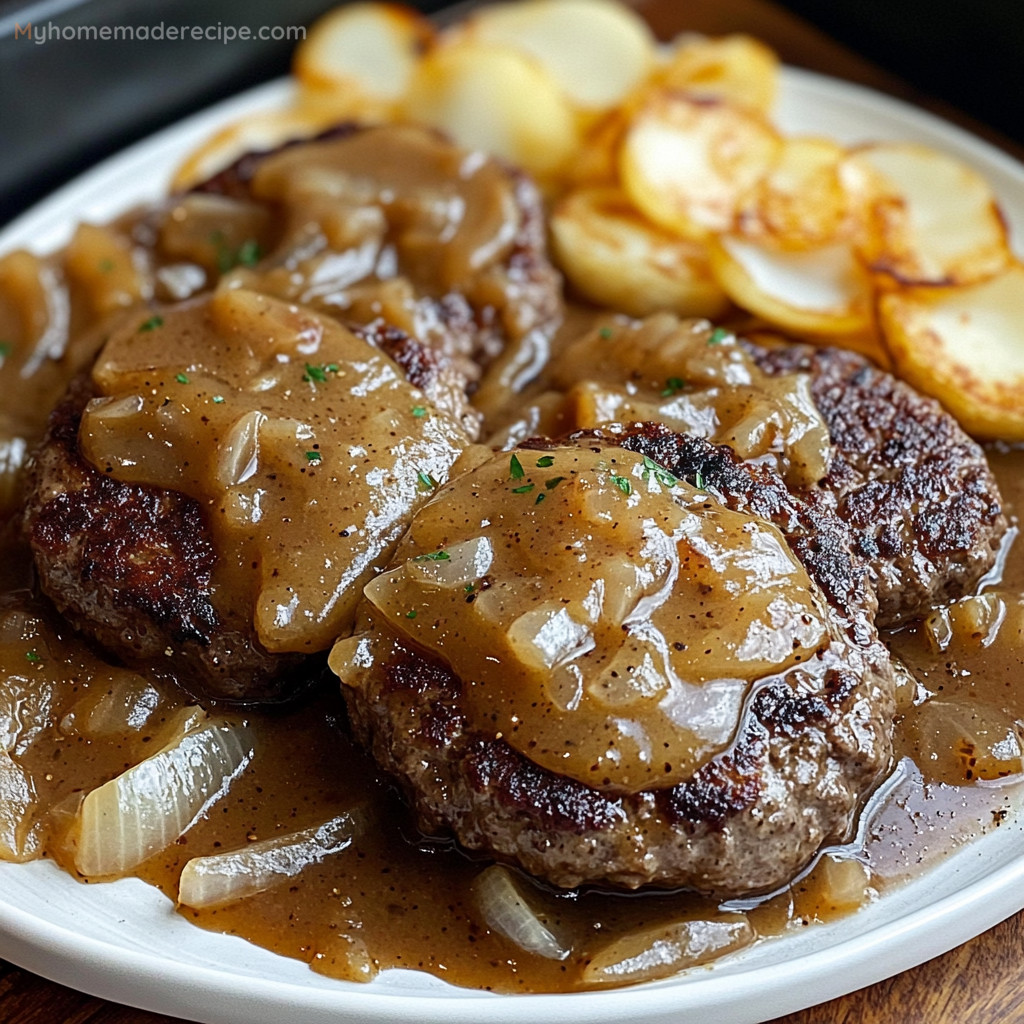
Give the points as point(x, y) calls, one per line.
point(356, 887)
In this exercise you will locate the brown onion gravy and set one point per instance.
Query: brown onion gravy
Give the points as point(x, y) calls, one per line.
point(396, 899)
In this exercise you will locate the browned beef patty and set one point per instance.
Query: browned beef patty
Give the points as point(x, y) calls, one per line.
point(812, 743)
point(917, 493)
point(132, 567)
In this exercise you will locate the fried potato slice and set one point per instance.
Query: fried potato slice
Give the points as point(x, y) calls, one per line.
point(685, 161)
point(365, 49)
point(596, 50)
point(926, 217)
point(253, 133)
point(800, 203)
point(495, 99)
point(821, 295)
point(736, 68)
point(617, 258)
point(965, 347)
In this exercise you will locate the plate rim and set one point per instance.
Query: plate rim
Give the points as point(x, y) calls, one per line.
point(148, 981)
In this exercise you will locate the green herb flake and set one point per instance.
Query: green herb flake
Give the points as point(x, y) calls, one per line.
point(515, 469)
point(315, 373)
point(427, 482)
point(605, 333)
point(411, 615)
point(433, 556)
point(662, 475)
point(106, 266)
point(699, 481)
point(151, 324)
point(673, 386)
point(313, 457)
point(553, 482)
point(6, 348)
point(469, 588)
point(217, 399)
point(249, 253)
point(546, 460)
point(622, 483)
point(540, 498)
point(34, 657)
point(718, 335)
point(525, 489)
point(419, 411)
point(181, 378)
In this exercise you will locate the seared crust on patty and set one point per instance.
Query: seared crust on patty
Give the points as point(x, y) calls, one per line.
point(917, 493)
point(132, 566)
point(812, 742)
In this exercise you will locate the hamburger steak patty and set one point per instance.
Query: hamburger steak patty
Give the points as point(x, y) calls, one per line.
point(916, 492)
point(131, 566)
point(811, 744)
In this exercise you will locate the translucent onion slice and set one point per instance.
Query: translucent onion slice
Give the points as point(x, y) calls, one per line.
point(801, 203)
point(685, 161)
point(596, 50)
point(19, 839)
point(818, 294)
point(495, 99)
point(617, 258)
point(237, 874)
point(366, 49)
point(148, 807)
point(737, 68)
point(506, 912)
point(927, 218)
point(667, 949)
point(965, 347)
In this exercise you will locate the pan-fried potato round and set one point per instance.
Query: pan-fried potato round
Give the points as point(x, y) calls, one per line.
point(927, 218)
point(965, 347)
point(495, 99)
point(596, 50)
point(800, 203)
point(686, 161)
point(253, 133)
point(617, 258)
point(820, 294)
point(366, 49)
point(737, 68)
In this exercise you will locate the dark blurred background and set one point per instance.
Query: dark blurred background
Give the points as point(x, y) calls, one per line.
point(65, 105)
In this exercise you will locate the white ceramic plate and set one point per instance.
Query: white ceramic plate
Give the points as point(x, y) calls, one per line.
point(123, 942)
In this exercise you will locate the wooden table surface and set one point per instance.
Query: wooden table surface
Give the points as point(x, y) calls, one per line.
point(981, 982)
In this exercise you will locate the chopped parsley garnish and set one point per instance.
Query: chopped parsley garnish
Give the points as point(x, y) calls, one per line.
point(662, 475)
point(546, 460)
point(313, 457)
point(6, 348)
point(151, 324)
point(33, 656)
point(673, 386)
point(718, 335)
point(419, 411)
point(246, 255)
point(540, 498)
point(411, 615)
point(106, 266)
point(699, 482)
point(525, 489)
point(605, 332)
point(249, 253)
point(217, 399)
point(622, 483)
point(469, 588)
point(433, 556)
point(181, 378)
point(315, 373)
point(515, 469)
point(553, 482)
point(427, 482)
